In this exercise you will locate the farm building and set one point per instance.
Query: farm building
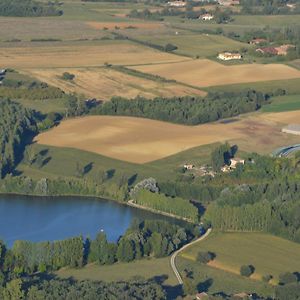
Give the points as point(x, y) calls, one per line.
point(292, 129)
point(188, 166)
point(177, 3)
point(229, 56)
point(283, 49)
point(267, 50)
point(206, 17)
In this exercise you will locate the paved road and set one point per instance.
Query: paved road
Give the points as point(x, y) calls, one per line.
point(173, 257)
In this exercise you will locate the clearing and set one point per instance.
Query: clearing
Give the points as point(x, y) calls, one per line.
point(104, 83)
point(141, 140)
point(268, 254)
point(146, 268)
point(205, 73)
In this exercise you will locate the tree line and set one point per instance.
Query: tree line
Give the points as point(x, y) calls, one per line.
point(28, 8)
point(186, 110)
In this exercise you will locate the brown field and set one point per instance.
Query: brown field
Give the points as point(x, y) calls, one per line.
point(104, 83)
point(141, 140)
point(55, 55)
point(205, 73)
point(124, 25)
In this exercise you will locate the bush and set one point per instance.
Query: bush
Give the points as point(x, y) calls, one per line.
point(267, 278)
point(68, 76)
point(247, 270)
point(288, 277)
point(170, 47)
point(205, 257)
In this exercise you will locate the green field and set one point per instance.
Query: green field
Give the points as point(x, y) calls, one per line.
point(283, 103)
point(202, 45)
point(274, 21)
point(268, 254)
point(146, 268)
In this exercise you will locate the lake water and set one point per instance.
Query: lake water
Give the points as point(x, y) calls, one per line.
point(54, 218)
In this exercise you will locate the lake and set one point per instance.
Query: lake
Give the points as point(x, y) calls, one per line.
point(55, 218)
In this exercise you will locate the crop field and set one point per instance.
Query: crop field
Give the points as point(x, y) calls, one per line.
point(55, 55)
point(124, 271)
point(268, 254)
point(276, 21)
point(140, 140)
point(204, 73)
point(104, 83)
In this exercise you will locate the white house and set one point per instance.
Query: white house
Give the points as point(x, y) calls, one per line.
point(229, 56)
point(177, 3)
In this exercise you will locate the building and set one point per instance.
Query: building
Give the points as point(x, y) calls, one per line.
point(267, 50)
point(229, 56)
point(283, 49)
point(235, 161)
point(2, 72)
point(177, 3)
point(206, 17)
point(257, 41)
point(292, 129)
point(188, 166)
point(292, 6)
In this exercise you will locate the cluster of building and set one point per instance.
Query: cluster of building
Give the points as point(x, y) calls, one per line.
point(206, 17)
point(229, 2)
point(280, 50)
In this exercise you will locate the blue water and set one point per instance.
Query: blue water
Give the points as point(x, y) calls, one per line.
point(55, 218)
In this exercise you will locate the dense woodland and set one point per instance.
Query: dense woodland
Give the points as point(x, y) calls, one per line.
point(28, 8)
point(16, 125)
point(186, 110)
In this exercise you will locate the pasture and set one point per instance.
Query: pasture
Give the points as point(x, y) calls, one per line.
point(268, 254)
point(205, 73)
point(104, 83)
point(146, 268)
point(83, 54)
point(201, 45)
point(283, 103)
point(140, 140)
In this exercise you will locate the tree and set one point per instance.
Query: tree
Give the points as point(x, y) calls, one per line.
point(13, 290)
point(205, 257)
point(247, 270)
point(68, 76)
point(287, 278)
point(125, 251)
point(220, 156)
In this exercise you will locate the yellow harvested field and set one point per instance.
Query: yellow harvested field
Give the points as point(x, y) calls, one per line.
point(104, 83)
point(141, 140)
point(55, 55)
point(205, 73)
point(125, 25)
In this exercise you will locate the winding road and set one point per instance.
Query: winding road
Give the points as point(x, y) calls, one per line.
point(173, 257)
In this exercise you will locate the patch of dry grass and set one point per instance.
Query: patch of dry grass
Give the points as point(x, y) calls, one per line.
point(104, 83)
point(205, 73)
point(141, 140)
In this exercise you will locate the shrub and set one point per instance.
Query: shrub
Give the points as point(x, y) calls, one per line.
point(68, 76)
point(288, 277)
point(205, 257)
point(267, 277)
point(247, 270)
point(170, 47)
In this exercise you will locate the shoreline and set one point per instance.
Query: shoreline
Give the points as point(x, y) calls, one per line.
point(125, 203)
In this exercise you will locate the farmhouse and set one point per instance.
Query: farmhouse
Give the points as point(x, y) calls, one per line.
point(229, 56)
point(292, 129)
point(206, 17)
point(177, 3)
point(257, 41)
point(292, 6)
point(233, 165)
